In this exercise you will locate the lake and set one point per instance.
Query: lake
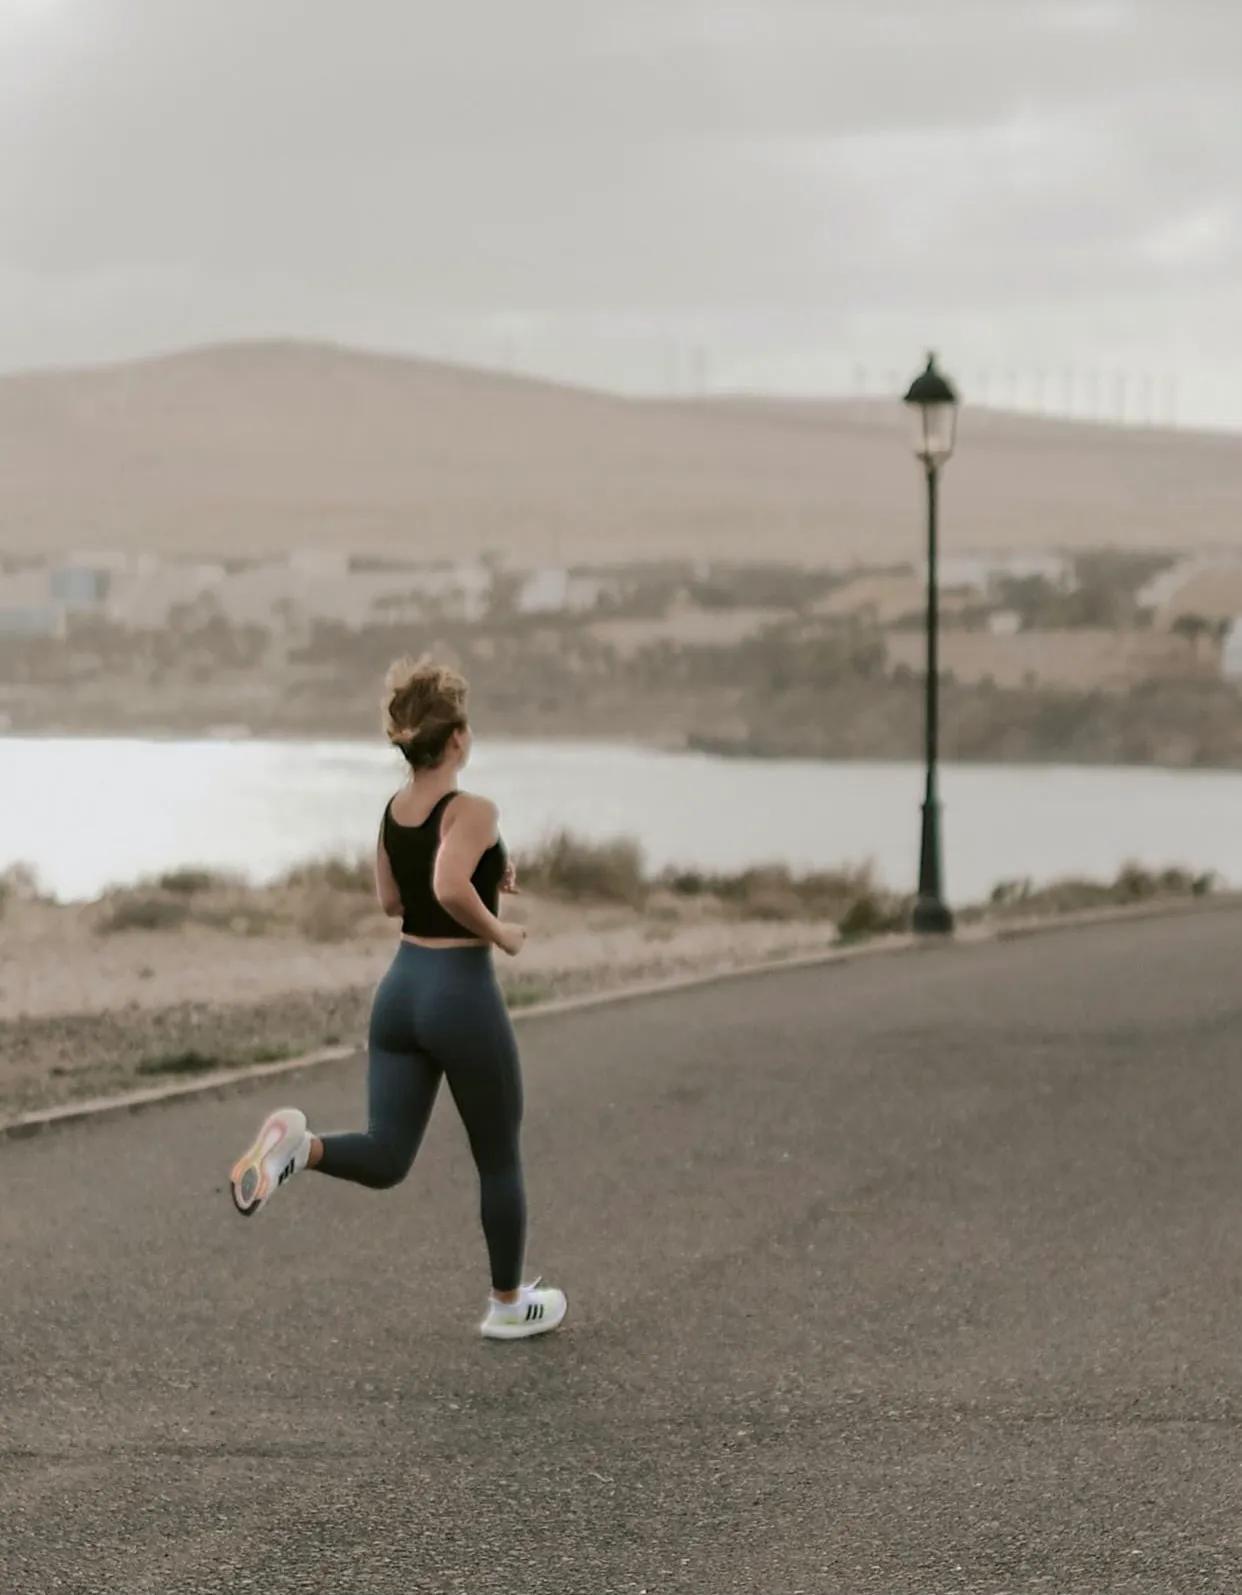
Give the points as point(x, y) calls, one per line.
point(91, 812)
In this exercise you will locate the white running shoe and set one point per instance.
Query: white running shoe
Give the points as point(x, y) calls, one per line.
point(539, 1307)
point(280, 1150)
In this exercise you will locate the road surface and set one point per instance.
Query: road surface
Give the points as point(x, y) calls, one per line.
point(913, 1274)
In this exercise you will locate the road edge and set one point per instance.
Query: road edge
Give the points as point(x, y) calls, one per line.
point(970, 935)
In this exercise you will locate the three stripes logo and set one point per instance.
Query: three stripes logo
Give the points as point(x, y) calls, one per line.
point(286, 1172)
point(534, 1311)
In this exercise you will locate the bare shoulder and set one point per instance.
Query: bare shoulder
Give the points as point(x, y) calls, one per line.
point(476, 811)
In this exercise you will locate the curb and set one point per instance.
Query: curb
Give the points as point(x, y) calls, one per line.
point(970, 935)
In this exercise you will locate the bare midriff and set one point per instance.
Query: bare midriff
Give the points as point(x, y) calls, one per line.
point(444, 941)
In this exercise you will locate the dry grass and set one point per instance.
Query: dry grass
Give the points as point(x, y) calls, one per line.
point(323, 900)
point(190, 882)
point(574, 870)
point(187, 1061)
point(848, 898)
point(329, 915)
point(19, 883)
point(320, 999)
point(333, 873)
point(142, 910)
point(1133, 884)
point(330, 899)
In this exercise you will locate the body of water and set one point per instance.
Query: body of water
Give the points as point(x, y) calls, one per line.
point(88, 813)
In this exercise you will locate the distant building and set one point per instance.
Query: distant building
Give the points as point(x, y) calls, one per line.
point(1208, 586)
point(1156, 593)
point(293, 597)
point(457, 592)
point(981, 571)
point(27, 608)
point(555, 590)
point(1231, 652)
point(78, 586)
point(144, 597)
point(32, 620)
point(1005, 623)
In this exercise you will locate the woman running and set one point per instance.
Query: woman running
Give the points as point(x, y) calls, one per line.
point(439, 865)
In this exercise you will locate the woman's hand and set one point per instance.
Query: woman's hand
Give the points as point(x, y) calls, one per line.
point(508, 881)
point(512, 939)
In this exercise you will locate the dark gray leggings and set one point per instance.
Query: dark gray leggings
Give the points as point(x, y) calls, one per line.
point(439, 1011)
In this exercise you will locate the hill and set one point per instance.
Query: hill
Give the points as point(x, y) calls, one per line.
point(261, 448)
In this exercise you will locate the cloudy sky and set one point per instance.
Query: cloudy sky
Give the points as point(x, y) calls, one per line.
point(787, 195)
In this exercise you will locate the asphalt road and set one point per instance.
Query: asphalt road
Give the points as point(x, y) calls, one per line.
point(915, 1274)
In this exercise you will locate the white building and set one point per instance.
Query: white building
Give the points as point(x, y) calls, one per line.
point(1208, 586)
point(555, 590)
point(32, 620)
point(27, 607)
point(457, 592)
point(78, 586)
point(145, 596)
point(980, 571)
point(294, 597)
point(308, 586)
point(1156, 593)
point(1231, 652)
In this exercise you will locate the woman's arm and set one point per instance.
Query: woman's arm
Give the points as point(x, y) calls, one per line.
point(470, 828)
point(385, 881)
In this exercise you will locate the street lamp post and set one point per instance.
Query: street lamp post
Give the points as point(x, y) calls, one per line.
point(933, 409)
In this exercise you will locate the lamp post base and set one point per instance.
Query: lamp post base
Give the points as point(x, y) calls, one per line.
point(931, 917)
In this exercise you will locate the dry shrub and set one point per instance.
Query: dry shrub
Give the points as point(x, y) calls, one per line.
point(327, 914)
point(874, 913)
point(774, 892)
point(1134, 884)
point(189, 882)
point(187, 1061)
point(523, 991)
point(566, 866)
point(334, 874)
point(242, 914)
point(768, 895)
point(141, 909)
point(665, 907)
point(19, 883)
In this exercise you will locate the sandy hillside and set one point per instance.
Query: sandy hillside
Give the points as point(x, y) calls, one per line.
point(259, 448)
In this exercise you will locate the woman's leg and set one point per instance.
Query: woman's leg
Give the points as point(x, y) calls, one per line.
point(478, 1050)
point(402, 1081)
point(401, 1092)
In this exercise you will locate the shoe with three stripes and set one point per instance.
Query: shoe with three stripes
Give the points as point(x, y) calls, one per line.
point(281, 1148)
point(538, 1308)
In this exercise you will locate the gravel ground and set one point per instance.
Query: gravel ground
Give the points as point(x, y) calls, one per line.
point(84, 1014)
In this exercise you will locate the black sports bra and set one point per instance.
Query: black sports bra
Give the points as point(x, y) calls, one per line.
point(412, 852)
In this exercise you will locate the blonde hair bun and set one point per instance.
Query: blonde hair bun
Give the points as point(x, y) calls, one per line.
point(423, 704)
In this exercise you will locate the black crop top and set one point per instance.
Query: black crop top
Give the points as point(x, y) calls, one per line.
point(412, 852)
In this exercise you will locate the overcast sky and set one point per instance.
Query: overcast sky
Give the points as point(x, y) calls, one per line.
point(790, 195)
